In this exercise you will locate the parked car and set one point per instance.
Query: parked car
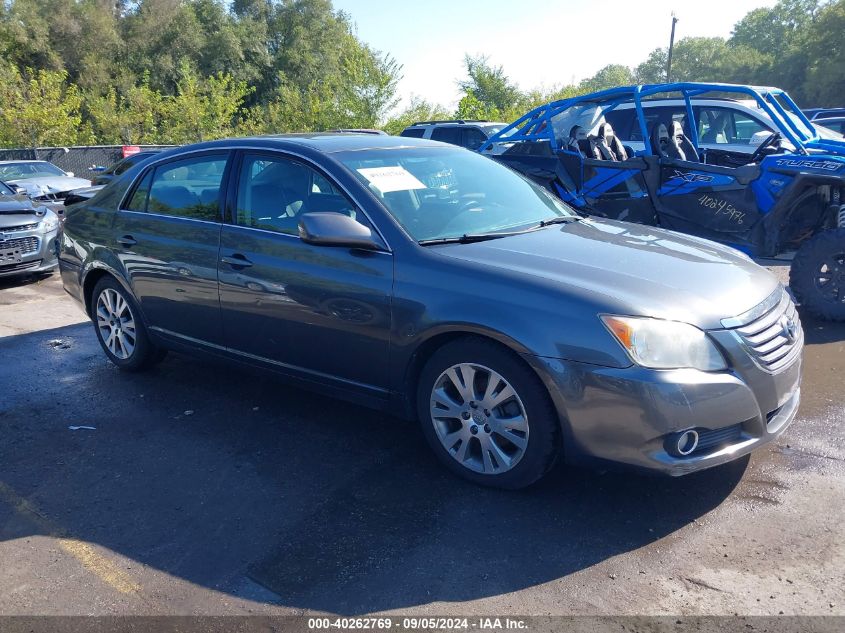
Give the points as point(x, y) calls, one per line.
point(107, 175)
point(823, 113)
point(28, 235)
point(357, 130)
point(835, 124)
point(81, 195)
point(42, 181)
point(433, 283)
point(469, 133)
point(785, 199)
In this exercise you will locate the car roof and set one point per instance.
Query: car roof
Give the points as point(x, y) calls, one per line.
point(325, 143)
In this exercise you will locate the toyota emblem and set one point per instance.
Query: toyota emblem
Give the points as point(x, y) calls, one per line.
point(789, 328)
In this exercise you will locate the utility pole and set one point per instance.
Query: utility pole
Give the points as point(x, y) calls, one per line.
point(671, 46)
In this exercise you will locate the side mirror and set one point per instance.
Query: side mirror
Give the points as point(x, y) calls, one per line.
point(21, 191)
point(69, 173)
point(336, 229)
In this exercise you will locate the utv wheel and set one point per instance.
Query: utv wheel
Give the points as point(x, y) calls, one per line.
point(119, 328)
point(486, 415)
point(817, 276)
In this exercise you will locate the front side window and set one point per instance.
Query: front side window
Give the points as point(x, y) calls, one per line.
point(274, 192)
point(473, 138)
point(441, 192)
point(188, 188)
point(723, 126)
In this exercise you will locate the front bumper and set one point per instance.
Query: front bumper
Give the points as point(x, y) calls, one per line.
point(28, 252)
point(628, 415)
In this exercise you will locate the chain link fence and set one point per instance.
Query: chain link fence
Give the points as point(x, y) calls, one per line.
point(79, 160)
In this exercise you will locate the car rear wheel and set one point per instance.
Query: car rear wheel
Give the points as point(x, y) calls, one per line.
point(817, 276)
point(120, 331)
point(486, 415)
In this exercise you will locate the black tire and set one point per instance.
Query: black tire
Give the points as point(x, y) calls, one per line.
point(144, 353)
point(543, 426)
point(817, 276)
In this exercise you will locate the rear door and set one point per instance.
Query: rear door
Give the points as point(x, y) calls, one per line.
point(318, 312)
point(167, 236)
point(707, 200)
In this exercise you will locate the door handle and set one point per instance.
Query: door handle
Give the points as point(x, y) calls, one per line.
point(236, 261)
point(127, 241)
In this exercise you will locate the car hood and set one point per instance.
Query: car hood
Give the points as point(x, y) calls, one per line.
point(50, 184)
point(631, 269)
point(18, 211)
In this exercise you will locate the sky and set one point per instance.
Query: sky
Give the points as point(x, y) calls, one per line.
point(539, 43)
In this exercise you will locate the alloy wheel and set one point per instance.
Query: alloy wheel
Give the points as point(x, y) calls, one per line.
point(116, 324)
point(479, 418)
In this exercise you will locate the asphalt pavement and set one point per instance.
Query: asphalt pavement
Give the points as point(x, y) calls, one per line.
point(204, 488)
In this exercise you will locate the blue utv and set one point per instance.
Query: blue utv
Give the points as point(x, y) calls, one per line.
point(783, 197)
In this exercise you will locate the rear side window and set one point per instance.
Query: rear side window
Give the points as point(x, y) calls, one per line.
point(138, 201)
point(188, 188)
point(413, 132)
point(623, 122)
point(473, 138)
point(655, 115)
point(447, 135)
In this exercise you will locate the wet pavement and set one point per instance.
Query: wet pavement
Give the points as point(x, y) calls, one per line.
point(208, 489)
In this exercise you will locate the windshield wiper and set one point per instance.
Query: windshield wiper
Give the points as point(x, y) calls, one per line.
point(467, 238)
point(562, 219)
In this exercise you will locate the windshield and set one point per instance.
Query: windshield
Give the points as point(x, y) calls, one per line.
point(35, 169)
point(441, 193)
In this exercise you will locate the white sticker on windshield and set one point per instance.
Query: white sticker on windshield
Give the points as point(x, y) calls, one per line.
point(391, 178)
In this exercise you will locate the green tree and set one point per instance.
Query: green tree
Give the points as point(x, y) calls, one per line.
point(38, 108)
point(417, 110)
point(610, 76)
point(488, 89)
point(825, 78)
point(202, 108)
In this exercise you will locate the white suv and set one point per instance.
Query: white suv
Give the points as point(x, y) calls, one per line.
point(469, 133)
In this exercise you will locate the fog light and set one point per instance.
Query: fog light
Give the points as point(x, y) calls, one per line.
point(684, 443)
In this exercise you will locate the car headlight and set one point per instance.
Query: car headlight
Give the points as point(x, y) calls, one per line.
point(660, 344)
point(50, 222)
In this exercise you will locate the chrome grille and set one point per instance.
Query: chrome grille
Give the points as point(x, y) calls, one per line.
point(23, 244)
point(20, 227)
point(773, 336)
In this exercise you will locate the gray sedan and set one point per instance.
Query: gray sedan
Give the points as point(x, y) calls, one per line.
point(434, 283)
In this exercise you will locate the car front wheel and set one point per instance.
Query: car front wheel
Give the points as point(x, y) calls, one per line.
point(120, 331)
point(486, 414)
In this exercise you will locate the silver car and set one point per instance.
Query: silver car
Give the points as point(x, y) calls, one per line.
point(28, 235)
point(40, 180)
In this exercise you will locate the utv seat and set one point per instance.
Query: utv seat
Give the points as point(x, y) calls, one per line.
point(684, 144)
point(578, 142)
point(608, 145)
point(669, 141)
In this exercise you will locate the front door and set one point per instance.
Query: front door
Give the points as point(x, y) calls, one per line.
point(167, 235)
point(315, 311)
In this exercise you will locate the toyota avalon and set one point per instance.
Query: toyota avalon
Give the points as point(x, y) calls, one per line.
point(434, 283)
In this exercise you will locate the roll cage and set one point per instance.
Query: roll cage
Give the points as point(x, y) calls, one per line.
point(538, 124)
